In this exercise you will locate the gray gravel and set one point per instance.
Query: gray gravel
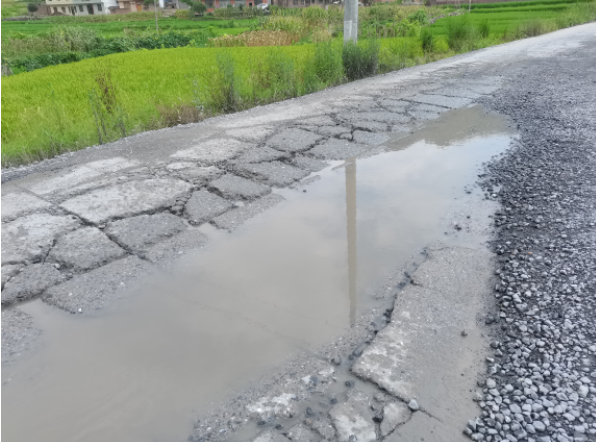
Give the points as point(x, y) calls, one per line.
point(542, 373)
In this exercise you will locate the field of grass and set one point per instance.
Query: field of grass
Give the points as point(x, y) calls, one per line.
point(71, 106)
point(499, 21)
point(116, 28)
point(525, 4)
point(10, 8)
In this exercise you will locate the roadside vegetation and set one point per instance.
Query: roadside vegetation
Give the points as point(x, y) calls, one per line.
point(198, 73)
point(11, 8)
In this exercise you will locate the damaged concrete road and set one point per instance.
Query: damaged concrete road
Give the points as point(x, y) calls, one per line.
point(84, 229)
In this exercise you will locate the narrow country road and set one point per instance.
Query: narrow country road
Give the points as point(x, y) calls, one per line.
point(407, 257)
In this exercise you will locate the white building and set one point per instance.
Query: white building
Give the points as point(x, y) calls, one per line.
point(80, 7)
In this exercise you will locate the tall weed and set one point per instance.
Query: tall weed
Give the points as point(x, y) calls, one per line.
point(576, 15)
point(533, 28)
point(426, 38)
point(327, 63)
point(106, 107)
point(225, 90)
point(361, 60)
point(255, 38)
point(484, 28)
point(282, 74)
point(459, 30)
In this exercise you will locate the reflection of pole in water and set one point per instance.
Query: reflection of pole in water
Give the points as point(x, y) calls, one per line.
point(351, 216)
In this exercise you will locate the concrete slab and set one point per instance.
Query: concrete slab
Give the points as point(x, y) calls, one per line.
point(255, 134)
point(58, 181)
point(8, 271)
point(394, 415)
point(294, 140)
point(353, 420)
point(29, 238)
point(425, 112)
point(324, 428)
point(424, 428)
point(394, 105)
point(331, 131)
point(127, 199)
point(200, 176)
point(234, 187)
point(370, 138)
point(373, 126)
point(301, 433)
point(422, 354)
point(485, 87)
point(440, 100)
point(173, 248)
point(308, 163)
point(269, 408)
point(321, 120)
point(16, 204)
point(30, 282)
point(139, 233)
point(232, 219)
point(334, 149)
point(457, 91)
point(111, 165)
point(261, 154)
point(273, 173)
point(85, 249)
point(213, 152)
point(18, 334)
point(180, 165)
point(69, 178)
point(204, 206)
point(88, 293)
point(383, 117)
point(270, 436)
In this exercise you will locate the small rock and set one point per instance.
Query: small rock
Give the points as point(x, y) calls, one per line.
point(413, 405)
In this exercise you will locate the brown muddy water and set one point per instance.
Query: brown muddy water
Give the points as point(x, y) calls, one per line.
point(292, 279)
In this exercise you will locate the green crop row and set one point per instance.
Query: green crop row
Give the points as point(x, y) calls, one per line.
point(18, 29)
point(555, 7)
point(524, 4)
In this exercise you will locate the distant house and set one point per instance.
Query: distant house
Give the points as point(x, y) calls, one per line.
point(80, 7)
point(216, 4)
point(126, 6)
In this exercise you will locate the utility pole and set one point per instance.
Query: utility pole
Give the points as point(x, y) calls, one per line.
point(155, 7)
point(350, 21)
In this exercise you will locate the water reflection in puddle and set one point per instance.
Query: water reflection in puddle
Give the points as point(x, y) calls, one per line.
point(292, 279)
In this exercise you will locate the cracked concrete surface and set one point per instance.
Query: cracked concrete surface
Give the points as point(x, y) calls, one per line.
point(81, 228)
point(422, 353)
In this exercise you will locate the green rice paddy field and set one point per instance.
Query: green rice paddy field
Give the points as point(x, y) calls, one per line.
point(51, 110)
point(116, 28)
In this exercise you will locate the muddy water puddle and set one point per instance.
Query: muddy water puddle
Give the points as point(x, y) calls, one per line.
point(292, 279)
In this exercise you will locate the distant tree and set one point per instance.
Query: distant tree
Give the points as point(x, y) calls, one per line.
point(32, 7)
point(196, 6)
